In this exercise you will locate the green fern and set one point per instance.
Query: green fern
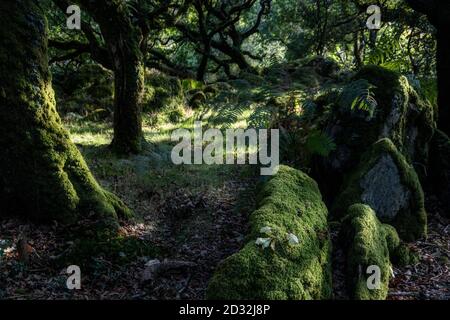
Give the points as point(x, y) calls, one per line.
point(309, 110)
point(261, 117)
point(227, 115)
point(319, 143)
point(359, 95)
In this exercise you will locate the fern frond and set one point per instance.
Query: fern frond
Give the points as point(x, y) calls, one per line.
point(309, 109)
point(261, 117)
point(227, 115)
point(359, 95)
point(319, 143)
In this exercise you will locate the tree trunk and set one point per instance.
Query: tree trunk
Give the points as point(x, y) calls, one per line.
point(438, 12)
point(42, 174)
point(129, 84)
point(123, 41)
point(201, 71)
point(443, 72)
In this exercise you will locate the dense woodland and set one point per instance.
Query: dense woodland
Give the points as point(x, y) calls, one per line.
point(87, 119)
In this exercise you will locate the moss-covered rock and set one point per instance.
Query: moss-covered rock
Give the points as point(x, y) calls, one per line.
point(290, 203)
point(440, 168)
point(400, 115)
point(385, 181)
point(404, 117)
point(367, 242)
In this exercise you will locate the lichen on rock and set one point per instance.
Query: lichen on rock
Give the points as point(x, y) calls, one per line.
point(383, 190)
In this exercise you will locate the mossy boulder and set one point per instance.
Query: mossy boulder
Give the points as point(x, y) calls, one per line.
point(404, 117)
point(325, 67)
point(367, 242)
point(162, 92)
point(400, 115)
point(440, 168)
point(386, 181)
point(289, 204)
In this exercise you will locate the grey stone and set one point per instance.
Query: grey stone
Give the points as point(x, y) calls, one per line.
point(383, 189)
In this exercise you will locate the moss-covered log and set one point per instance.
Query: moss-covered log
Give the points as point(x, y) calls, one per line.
point(367, 243)
point(43, 175)
point(290, 203)
point(385, 181)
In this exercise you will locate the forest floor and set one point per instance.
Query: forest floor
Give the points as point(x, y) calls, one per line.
point(189, 218)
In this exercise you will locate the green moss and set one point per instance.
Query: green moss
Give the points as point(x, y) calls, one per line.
point(401, 112)
point(410, 222)
point(289, 203)
point(88, 91)
point(367, 243)
point(162, 91)
point(44, 176)
point(197, 99)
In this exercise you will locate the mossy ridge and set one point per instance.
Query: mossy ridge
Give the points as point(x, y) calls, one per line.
point(289, 203)
point(411, 224)
point(44, 176)
point(367, 242)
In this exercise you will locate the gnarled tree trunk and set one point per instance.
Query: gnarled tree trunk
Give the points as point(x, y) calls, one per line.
point(129, 84)
point(123, 43)
point(443, 72)
point(438, 12)
point(42, 174)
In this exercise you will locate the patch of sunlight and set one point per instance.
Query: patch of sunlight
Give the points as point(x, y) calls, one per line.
point(89, 133)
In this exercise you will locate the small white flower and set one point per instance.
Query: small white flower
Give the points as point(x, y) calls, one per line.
point(292, 239)
point(266, 230)
point(264, 242)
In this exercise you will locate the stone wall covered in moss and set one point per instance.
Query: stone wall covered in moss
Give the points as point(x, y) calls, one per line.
point(288, 253)
point(365, 241)
point(385, 181)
